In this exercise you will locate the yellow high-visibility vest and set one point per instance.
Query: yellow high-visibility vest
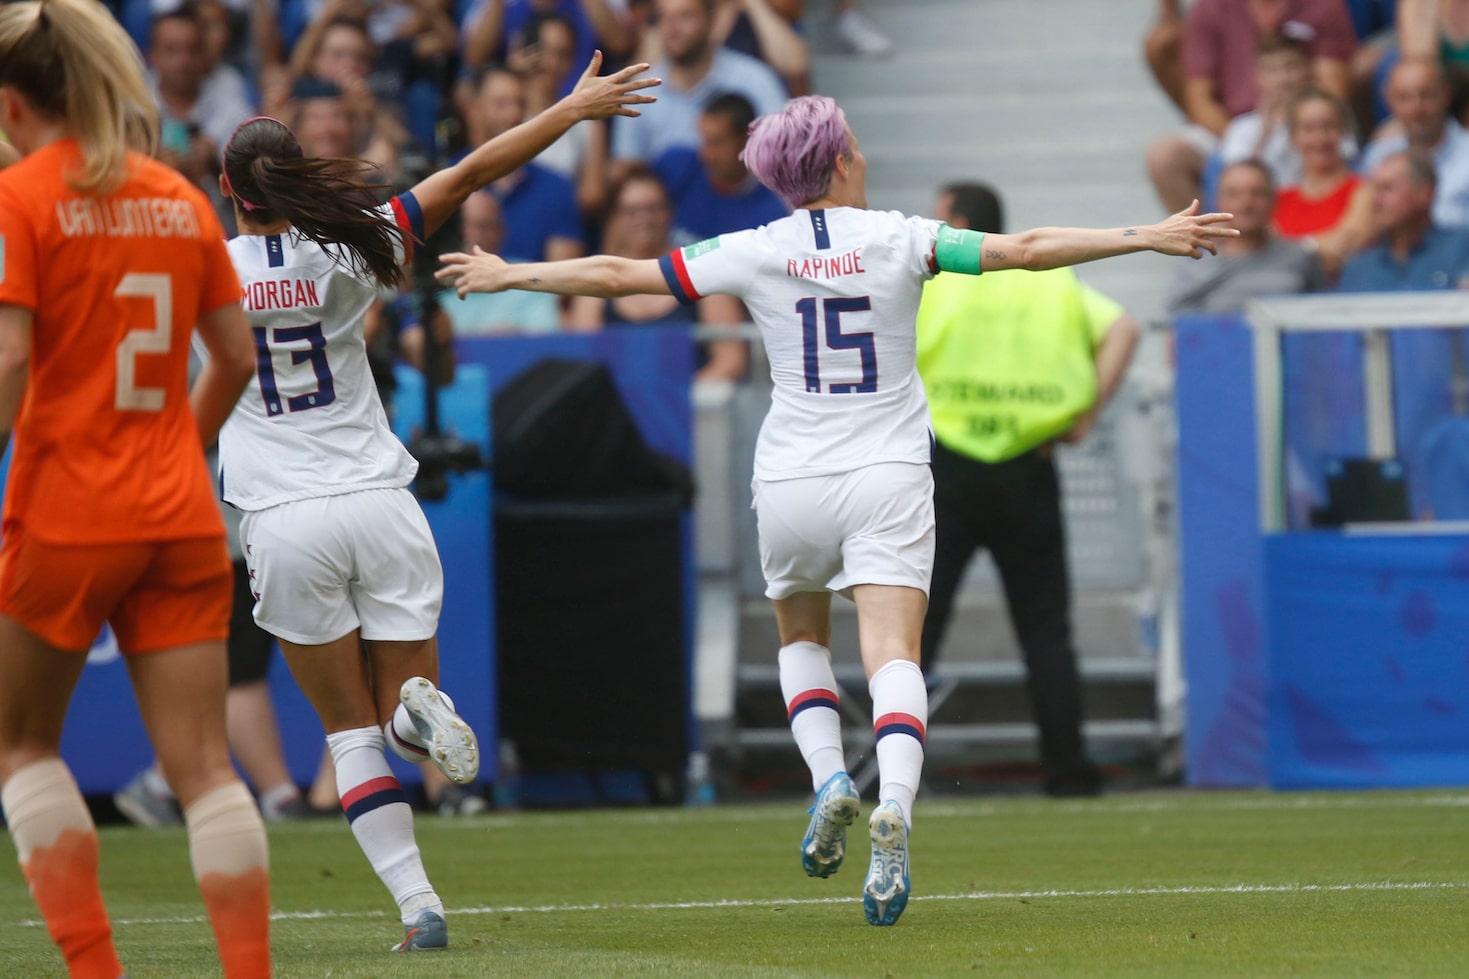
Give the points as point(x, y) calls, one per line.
point(1007, 357)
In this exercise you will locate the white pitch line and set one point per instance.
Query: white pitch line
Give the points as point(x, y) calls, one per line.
point(1184, 891)
point(944, 809)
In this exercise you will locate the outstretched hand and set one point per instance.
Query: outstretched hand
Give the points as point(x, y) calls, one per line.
point(1190, 233)
point(479, 272)
point(599, 97)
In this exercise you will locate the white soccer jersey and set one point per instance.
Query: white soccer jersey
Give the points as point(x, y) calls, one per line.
point(310, 424)
point(835, 294)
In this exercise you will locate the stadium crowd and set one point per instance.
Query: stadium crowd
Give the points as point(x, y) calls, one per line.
point(1313, 119)
point(412, 85)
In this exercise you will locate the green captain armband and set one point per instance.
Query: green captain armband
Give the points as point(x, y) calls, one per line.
point(958, 250)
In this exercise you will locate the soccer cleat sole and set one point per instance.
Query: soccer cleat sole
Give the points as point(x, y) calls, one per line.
point(825, 844)
point(885, 894)
point(451, 743)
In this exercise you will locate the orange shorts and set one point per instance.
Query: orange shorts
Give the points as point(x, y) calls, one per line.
point(157, 595)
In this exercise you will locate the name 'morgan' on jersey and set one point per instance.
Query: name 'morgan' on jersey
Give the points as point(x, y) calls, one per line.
point(835, 294)
point(311, 424)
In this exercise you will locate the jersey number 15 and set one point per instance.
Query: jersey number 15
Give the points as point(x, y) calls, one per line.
point(864, 343)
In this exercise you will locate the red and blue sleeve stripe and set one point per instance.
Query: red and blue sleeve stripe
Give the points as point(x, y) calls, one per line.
point(809, 699)
point(898, 723)
point(373, 794)
point(409, 215)
point(676, 274)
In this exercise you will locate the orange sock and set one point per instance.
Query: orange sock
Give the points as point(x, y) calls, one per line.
point(57, 845)
point(227, 847)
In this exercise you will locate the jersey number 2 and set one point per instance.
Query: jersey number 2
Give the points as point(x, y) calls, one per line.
point(152, 339)
point(837, 340)
point(315, 353)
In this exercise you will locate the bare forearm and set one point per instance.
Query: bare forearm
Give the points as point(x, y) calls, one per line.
point(1050, 248)
point(606, 276)
point(783, 49)
point(513, 149)
point(13, 375)
point(1418, 28)
point(265, 32)
point(215, 393)
point(610, 30)
point(1203, 107)
point(1113, 357)
point(484, 36)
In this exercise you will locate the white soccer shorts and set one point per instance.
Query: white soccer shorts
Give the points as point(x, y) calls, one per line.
point(325, 566)
point(870, 526)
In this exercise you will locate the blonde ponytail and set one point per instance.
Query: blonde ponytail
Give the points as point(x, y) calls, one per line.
point(74, 62)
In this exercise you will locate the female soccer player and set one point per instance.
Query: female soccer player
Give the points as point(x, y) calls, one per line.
point(345, 571)
point(108, 261)
point(843, 493)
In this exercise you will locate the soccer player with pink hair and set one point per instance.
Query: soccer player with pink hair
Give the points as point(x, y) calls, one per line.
point(843, 492)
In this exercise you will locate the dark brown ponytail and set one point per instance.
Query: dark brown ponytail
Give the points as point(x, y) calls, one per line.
point(333, 202)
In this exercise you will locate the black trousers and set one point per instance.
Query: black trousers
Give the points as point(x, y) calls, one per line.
point(1013, 509)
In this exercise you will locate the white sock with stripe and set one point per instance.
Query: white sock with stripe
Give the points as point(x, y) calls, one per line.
point(900, 724)
point(810, 691)
point(381, 819)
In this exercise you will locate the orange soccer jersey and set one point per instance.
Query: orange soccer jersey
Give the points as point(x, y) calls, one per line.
point(105, 446)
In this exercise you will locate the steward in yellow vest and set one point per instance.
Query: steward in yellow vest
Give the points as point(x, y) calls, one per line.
point(1013, 361)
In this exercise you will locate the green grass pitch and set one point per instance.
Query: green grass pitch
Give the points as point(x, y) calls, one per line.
point(1172, 884)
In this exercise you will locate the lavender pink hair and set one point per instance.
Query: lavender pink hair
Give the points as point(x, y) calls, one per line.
point(794, 151)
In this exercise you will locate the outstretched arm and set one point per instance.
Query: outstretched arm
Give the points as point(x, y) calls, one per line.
point(599, 275)
point(593, 98)
point(1186, 233)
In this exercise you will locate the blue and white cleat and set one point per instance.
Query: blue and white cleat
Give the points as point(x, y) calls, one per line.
point(825, 843)
point(885, 894)
point(427, 932)
point(450, 741)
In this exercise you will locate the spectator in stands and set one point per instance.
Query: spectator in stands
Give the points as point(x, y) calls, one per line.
point(1413, 254)
point(1221, 38)
point(542, 220)
point(544, 61)
point(505, 312)
point(693, 70)
point(340, 50)
point(994, 475)
point(1163, 51)
point(1330, 207)
point(199, 110)
point(1413, 251)
point(1437, 30)
point(639, 224)
point(712, 190)
point(768, 30)
point(324, 122)
point(396, 38)
point(223, 30)
point(1418, 94)
point(1282, 71)
point(1256, 263)
point(491, 26)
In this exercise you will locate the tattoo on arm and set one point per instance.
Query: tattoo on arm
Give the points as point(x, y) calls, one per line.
point(1129, 233)
point(535, 278)
point(994, 253)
